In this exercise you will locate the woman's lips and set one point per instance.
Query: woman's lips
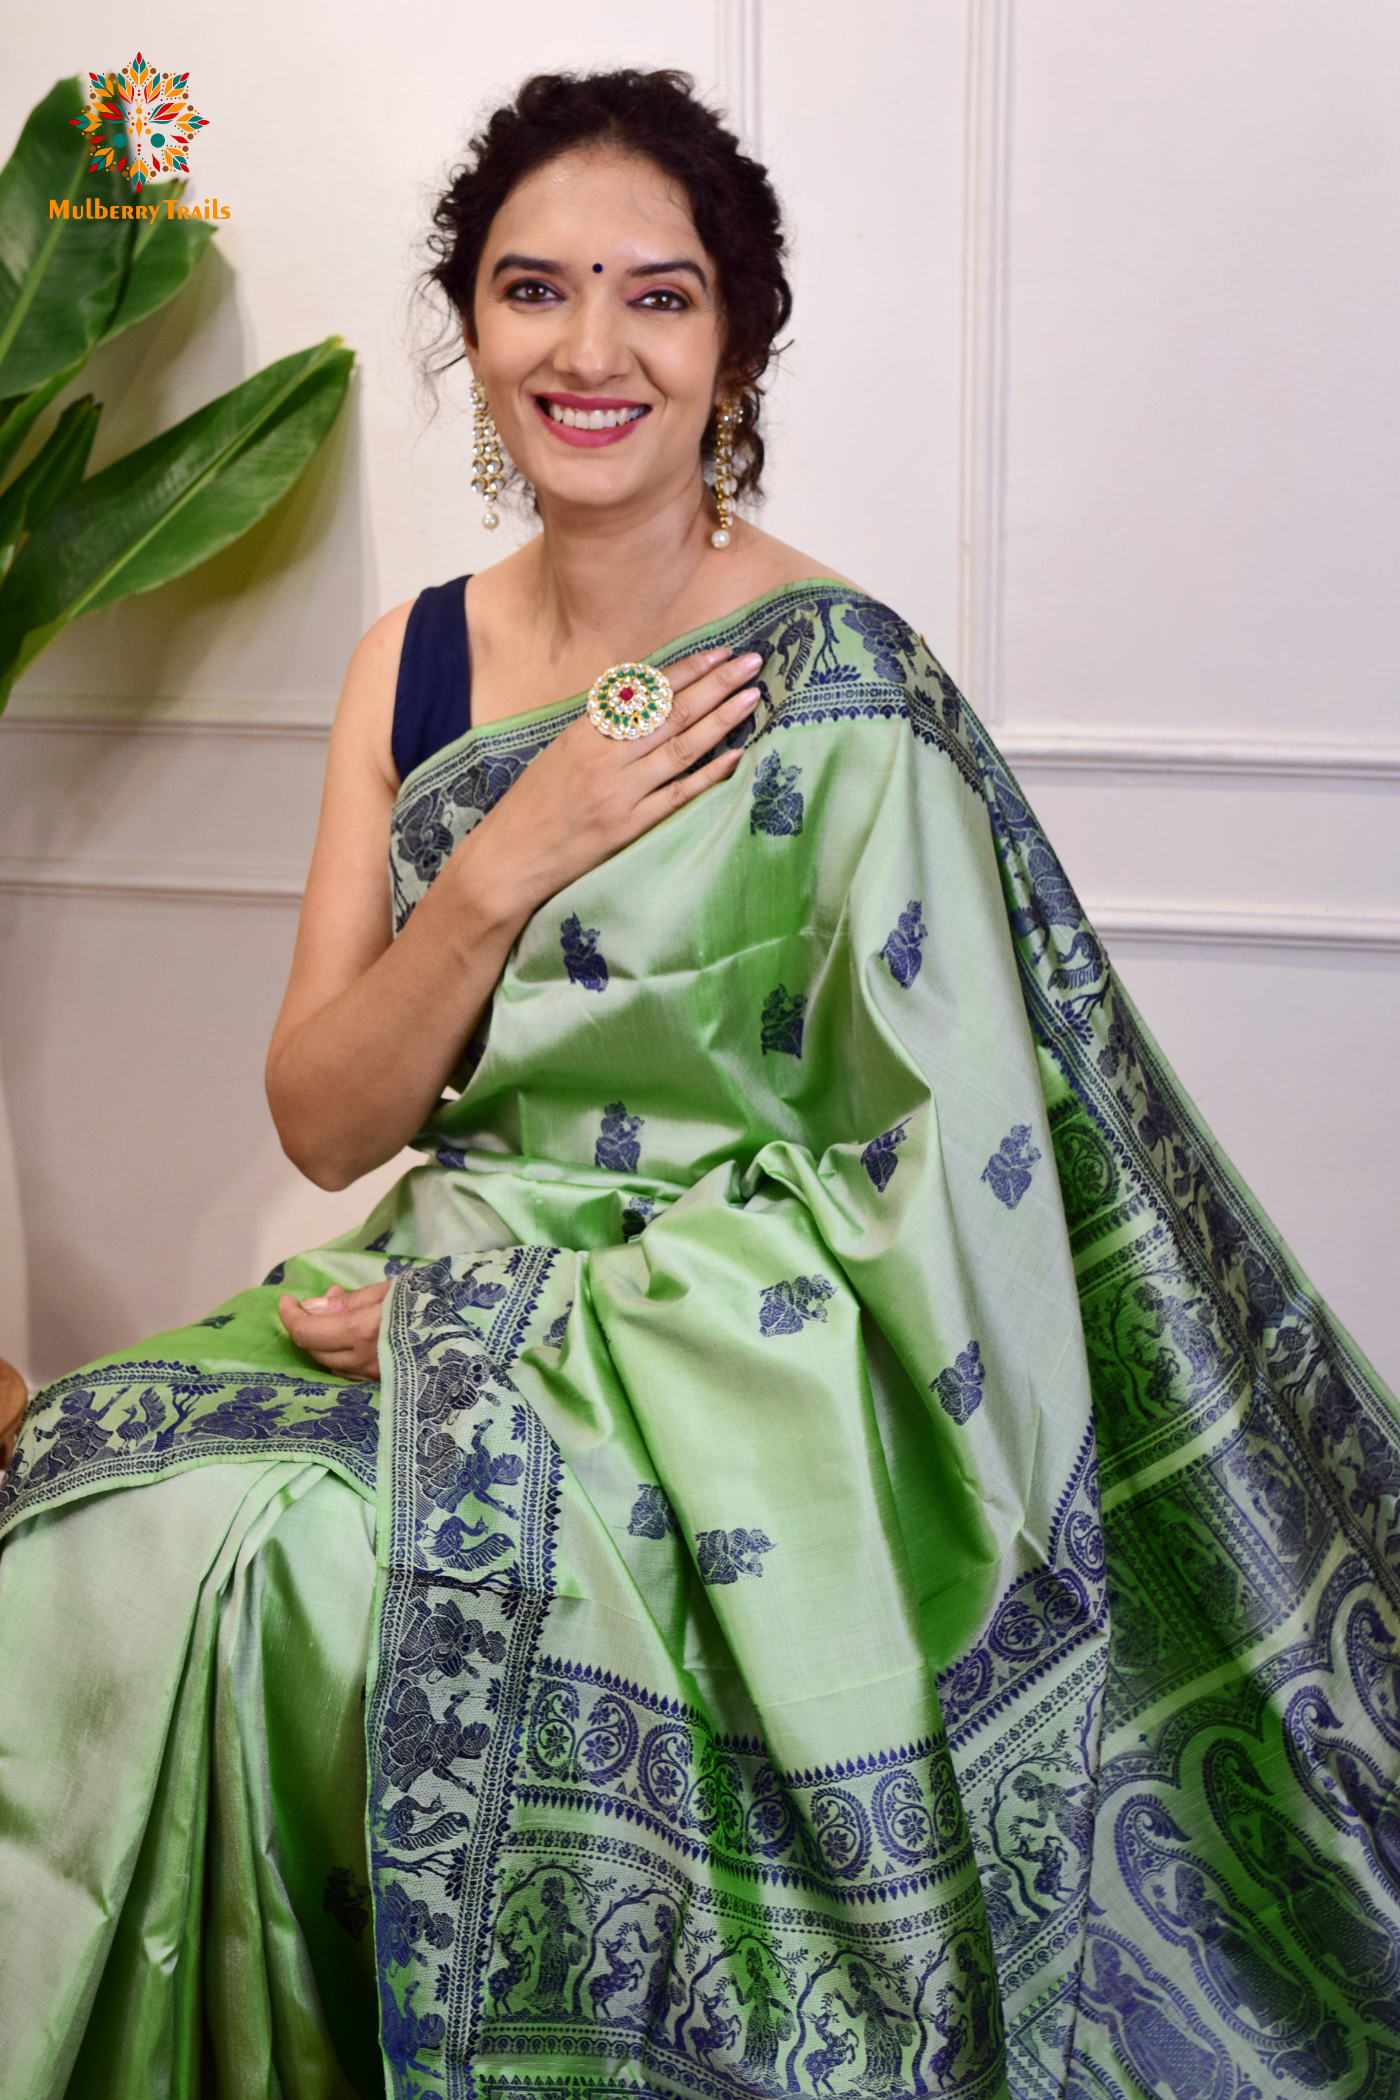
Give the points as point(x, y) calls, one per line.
point(587, 440)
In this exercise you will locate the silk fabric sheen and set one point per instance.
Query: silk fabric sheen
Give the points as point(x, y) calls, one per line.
point(884, 1570)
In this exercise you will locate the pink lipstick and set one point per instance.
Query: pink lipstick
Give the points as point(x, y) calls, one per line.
point(581, 409)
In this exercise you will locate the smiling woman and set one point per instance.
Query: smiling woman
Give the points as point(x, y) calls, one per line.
point(823, 1426)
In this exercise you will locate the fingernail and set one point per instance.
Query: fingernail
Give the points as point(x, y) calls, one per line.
point(747, 702)
point(752, 658)
point(313, 1304)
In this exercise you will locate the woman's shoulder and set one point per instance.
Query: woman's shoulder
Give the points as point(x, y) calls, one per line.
point(372, 680)
point(364, 718)
point(772, 565)
point(782, 584)
point(378, 649)
point(876, 625)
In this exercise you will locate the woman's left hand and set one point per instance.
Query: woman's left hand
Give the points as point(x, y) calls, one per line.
point(340, 1330)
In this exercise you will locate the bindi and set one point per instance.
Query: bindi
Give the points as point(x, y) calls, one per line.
point(597, 269)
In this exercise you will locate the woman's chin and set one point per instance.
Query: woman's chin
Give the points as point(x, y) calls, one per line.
point(598, 494)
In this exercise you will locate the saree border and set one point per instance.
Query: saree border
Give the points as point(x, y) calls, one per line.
point(178, 1417)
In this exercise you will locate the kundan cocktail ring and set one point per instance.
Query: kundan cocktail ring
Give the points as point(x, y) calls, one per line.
point(630, 700)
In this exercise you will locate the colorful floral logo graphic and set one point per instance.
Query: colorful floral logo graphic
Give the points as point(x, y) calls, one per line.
point(140, 122)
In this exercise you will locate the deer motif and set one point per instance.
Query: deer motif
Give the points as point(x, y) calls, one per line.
point(513, 1970)
point(721, 2029)
point(619, 1975)
point(836, 2049)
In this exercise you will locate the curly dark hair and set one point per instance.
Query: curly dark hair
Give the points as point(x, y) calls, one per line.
point(658, 117)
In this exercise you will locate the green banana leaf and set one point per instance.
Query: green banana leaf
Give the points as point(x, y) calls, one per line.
point(54, 470)
point(68, 284)
point(69, 546)
point(173, 503)
point(21, 412)
point(60, 279)
point(163, 254)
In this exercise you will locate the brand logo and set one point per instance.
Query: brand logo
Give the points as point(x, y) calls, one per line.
point(139, 122)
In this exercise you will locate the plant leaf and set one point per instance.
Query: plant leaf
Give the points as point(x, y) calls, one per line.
point(173, 503)
point(60, 279)
point(49, 477)
point(54, 470)
point(21, 412)
point(163, 256)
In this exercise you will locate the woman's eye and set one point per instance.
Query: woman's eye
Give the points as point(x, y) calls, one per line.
point(530, 292)
point(663, 300)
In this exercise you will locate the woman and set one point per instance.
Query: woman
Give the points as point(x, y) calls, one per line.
point(694, 1462)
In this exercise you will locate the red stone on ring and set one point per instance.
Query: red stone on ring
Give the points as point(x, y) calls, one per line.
point(624, 692)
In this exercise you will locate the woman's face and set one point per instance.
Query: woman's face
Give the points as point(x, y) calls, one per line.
point(597, 306)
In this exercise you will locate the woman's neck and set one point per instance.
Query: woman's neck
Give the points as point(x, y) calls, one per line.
point(613, 584)
point(604, 588)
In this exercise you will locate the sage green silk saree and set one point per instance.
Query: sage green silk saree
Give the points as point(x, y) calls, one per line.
point(873, 1572)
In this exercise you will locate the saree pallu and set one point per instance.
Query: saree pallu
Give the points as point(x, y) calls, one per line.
point(883, 1570)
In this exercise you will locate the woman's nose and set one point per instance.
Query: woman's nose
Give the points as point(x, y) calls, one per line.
point(592, 347)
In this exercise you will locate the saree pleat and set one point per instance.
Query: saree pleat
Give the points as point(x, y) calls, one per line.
point(128, 1926)
point(868, 1569)
point(289, 1982)
point(82, 1772)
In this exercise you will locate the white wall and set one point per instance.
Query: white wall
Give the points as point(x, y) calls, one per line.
point(1091, 376)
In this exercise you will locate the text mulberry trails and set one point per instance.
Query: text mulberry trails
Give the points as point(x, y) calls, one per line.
point(90, 208)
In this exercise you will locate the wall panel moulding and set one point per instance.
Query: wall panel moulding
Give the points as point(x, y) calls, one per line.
point(153, 882)
point(738, 53)
point(1244, 926)
point(1134, 920)
point(1200, 757)
point(300, 729)
point(982, 492)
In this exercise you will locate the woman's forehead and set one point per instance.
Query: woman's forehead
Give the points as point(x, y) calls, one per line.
point(599, 194)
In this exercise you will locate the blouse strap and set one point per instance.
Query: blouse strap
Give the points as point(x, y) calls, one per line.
point(433, 697)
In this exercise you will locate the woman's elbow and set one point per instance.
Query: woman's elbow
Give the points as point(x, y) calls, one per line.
point(310, 1151)
point(318, 1162)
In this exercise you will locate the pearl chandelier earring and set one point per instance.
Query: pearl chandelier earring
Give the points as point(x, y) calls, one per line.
point(488, 469)
point(726, 486)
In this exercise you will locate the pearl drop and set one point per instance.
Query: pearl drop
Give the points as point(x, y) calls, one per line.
point(491, 521)
point(719, 539)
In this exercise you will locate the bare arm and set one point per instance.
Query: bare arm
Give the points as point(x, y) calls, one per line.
point(13, 1400)
point(371, 1027)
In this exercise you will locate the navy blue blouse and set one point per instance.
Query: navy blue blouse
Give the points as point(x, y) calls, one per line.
point(433, 698)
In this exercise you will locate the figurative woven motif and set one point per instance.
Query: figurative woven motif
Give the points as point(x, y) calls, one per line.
point(777, 799)
point(1138, 1837)
point(584, 964)
point(881, 1155)
point(652, 1516)
point(959, 1388)
point(786, 1308)
point(618, 1149)
point(127, 1422)
point(1241, 1571)
point(904, 950)
point(1256, 1558)
point(1008, 1171)
point(570, 1869)
point(782, 1024)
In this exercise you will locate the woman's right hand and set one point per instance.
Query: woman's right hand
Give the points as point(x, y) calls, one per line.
point(372, 1028)
point(586, 796)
